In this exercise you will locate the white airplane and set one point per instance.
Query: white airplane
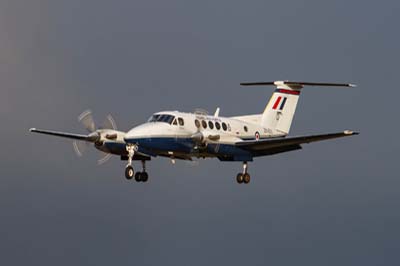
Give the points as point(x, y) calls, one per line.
point(179, 135)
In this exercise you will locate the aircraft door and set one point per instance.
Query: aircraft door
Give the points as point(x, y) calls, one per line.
point(175, 129)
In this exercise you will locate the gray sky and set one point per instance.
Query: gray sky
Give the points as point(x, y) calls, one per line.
point(333, 203)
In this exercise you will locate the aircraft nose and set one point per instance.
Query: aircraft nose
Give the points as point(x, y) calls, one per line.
point(147, 131)
point(139, 132)
point(131, 135)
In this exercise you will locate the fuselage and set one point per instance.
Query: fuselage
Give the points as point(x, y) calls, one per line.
point(185, 135)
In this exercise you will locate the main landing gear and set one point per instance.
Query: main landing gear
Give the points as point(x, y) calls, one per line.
point(243, 177)
point(129, 171)
point(142, 176)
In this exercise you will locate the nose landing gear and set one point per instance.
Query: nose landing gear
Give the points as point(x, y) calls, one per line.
point(243, 177)
point(129, 172)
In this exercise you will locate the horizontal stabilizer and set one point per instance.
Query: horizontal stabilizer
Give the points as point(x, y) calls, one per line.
point(297, 84)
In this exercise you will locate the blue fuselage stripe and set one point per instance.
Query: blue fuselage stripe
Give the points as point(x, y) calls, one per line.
point(186, 145)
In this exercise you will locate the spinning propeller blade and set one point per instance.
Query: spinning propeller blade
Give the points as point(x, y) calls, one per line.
point(104, 159)
point(80, 147)
point(95, 135)
point(86, 119)
point(109, 123)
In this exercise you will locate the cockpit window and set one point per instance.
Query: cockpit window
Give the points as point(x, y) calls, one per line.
point(162, 118)
point(153, 118)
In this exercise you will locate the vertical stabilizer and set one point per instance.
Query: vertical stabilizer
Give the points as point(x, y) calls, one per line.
point(279, 112)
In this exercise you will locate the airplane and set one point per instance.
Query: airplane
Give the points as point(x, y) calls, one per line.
point(184, 136)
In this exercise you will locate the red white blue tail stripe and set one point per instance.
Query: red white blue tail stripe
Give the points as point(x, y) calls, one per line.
point(280, 102)
point(288, 91)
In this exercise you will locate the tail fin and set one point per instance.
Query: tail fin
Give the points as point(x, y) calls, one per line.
point(279, 112)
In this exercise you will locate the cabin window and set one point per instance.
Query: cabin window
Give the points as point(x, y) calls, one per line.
point(210, 124)
point(204, 124)
point(224, 127)
point(197, 123)
point(217, 125)
point(245, 128)
point(181, 122)
point(175, 122)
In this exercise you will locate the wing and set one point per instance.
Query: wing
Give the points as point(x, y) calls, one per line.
point(277, 145)
point(60, 134)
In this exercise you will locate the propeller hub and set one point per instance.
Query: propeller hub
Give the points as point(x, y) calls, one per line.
point(94, 137)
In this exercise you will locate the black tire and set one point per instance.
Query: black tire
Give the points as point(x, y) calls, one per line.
point(129, 172)
point(138, 176)
point(239, 178)
point(144, 177)
point(246, 178)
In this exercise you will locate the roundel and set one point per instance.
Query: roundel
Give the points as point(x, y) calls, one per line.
point(257, 135)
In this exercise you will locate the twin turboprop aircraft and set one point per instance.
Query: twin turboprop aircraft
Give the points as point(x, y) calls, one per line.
point(179, 135)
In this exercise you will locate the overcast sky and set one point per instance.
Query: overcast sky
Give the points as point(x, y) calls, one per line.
point(332, 203)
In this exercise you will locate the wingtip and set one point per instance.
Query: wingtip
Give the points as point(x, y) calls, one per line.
point(32, 129)
point(350, 132)
point(352, 85)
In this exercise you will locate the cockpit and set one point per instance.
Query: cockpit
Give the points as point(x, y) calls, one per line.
point(161, 118)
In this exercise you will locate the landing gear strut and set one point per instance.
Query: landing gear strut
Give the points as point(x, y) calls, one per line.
point(129, 171)
point(243, 177)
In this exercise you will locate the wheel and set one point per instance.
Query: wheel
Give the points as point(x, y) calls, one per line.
point(144, 177)
point(138, 176)
point(246, 178)
point(239, 178)
point(129, 172)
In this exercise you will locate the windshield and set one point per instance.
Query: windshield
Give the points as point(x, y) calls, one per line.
point(161, 118)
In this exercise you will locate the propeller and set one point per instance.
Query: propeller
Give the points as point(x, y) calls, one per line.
point(105, 158)
point(86, 119)
point(109, 122)
point(96, 135)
